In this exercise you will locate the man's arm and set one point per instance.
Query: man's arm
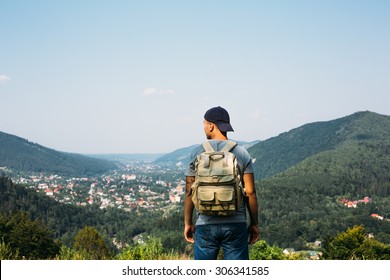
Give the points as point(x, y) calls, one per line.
point(249, 183)
point(188, 209)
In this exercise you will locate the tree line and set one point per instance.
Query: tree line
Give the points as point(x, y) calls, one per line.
point(59, 231)
point(22, 238)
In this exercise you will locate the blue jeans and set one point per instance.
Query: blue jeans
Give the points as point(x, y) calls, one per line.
point(232, 237)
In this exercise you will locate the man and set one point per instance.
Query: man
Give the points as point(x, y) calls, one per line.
point(229, 232)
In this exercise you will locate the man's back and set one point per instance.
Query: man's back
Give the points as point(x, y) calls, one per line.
point(244, 163)
point(210, 233)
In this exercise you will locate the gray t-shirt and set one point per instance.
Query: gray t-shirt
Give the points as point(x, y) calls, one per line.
point(244, 162)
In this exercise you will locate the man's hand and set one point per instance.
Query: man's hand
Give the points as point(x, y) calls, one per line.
point(254, 234)
point(189, 233)
point(188, 209)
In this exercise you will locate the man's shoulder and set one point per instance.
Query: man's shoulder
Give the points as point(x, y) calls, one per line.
point(218, 145)
point(241, 149)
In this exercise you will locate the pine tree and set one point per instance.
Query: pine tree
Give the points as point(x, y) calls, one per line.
point(90, 241)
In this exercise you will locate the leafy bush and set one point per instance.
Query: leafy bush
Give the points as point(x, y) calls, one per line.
point(6, 252)
point(90, 244)
point(262, 251)
point(67, 253)
point(354, 244)
point(150, 249)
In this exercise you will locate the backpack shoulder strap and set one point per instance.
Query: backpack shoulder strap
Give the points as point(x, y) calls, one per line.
point(229, 146)
point(207, 147)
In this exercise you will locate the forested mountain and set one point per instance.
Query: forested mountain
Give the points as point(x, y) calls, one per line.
point(290, 148)
point(19, 154)
point(321, 164)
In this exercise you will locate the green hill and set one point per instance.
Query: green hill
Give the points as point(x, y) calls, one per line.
point(20, 155)
point(345, 158)
point(290, 148)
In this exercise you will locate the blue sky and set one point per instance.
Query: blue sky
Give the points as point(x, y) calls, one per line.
point(137, 76)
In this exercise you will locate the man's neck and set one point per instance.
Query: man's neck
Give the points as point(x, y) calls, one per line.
point(219, 137)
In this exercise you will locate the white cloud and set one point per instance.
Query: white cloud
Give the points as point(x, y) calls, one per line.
point(187, 119)
point(257, 114)
point(155, 91)
point(150, 91)
point(4, 78)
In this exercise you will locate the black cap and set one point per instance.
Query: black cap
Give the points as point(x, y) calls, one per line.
point(220, 117)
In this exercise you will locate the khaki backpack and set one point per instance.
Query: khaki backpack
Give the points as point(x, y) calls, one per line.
point(217, 190)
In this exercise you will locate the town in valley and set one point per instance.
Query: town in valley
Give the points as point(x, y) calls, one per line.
point(135, 186)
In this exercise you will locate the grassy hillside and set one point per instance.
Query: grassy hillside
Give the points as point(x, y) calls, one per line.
point(19, 154)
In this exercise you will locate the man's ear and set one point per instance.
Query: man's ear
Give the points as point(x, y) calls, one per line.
point(211, 127)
